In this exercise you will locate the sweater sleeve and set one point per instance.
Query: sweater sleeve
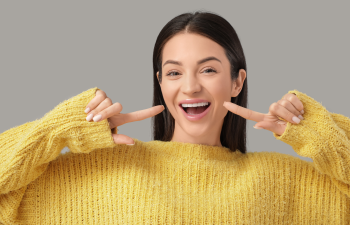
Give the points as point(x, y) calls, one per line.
point(323, 137)
point(26, 150)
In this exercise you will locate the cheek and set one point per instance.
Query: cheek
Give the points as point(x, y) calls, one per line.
point(220, 90)
point(169, 94)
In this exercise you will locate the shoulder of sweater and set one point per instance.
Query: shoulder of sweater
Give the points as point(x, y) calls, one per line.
point(276, 158)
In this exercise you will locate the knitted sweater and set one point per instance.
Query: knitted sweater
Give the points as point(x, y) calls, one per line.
point(100, 182)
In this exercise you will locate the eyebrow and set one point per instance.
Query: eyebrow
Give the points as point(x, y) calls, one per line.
point(199, 62)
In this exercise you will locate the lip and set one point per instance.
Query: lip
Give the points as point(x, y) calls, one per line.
point(194, 117)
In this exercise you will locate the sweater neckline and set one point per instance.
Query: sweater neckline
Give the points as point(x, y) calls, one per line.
point(189, 150)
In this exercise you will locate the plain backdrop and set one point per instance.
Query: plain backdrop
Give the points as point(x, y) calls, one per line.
point(52, 51)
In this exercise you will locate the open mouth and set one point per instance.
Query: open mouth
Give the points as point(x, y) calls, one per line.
point(195, 109)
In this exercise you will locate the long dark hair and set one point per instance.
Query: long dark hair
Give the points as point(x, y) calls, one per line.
point(213, 26)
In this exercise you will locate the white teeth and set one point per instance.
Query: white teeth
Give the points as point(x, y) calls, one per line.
point(195, 104)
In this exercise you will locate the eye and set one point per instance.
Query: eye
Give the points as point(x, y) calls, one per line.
point(172, 72)
point(210, 69)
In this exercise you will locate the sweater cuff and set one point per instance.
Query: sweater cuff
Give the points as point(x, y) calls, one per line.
point(85, 136)
point(303, 136)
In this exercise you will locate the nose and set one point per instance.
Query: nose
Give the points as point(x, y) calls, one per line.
point(190, 85)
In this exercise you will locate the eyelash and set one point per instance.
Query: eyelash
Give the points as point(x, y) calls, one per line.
point(168, 74)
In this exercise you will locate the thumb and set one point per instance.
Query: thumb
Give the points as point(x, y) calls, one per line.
point(273, 127)
point(263, 125)
point(258, 126)
point(122, 139)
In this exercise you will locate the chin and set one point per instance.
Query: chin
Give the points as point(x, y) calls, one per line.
point(196, 130)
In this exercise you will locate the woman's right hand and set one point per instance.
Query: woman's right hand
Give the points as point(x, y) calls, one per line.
point(102, 105)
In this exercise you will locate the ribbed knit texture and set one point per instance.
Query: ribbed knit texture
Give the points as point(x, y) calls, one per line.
point(100, 182)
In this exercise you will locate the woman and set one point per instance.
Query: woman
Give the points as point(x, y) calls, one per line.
point(196, 171)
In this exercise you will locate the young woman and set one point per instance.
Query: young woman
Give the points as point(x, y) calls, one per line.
point(197, 170)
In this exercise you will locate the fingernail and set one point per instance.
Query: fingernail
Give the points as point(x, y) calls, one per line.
point(224, 103)
point(302, 111)
point(97, 118)
point(130, 144)
point(296, 119)
point(258, 127)
point(301, 117)
point(87, 110)
point(89, 117)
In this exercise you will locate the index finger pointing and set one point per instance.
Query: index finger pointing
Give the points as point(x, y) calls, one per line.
point(142, 114)
point(244, 112)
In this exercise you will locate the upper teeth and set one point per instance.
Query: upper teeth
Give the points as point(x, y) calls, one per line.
point(195, 104)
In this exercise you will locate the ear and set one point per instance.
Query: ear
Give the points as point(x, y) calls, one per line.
point(158, 79)
point(238, 83)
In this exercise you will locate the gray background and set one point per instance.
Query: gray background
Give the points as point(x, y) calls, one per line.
point(52, 51)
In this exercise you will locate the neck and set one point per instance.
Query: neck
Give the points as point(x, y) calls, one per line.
point(210, 136)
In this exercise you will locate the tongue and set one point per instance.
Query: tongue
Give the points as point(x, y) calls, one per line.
point(196, 110)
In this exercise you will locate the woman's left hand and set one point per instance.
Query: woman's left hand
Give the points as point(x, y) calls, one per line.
point(281, 112)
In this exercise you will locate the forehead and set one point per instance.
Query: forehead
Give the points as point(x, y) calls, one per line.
point(189, 46)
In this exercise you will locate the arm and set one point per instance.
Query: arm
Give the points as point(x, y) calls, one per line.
point(26, 150)
point(324, 137)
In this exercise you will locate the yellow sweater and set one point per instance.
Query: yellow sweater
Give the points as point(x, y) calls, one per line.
point(100, 182)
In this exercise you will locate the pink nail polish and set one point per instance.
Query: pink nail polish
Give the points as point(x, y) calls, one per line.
point(296, 119)
point(97, 118)
point(89, 117)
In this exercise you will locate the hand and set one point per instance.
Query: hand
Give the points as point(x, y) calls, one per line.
point(276, 119)
point(103, 106)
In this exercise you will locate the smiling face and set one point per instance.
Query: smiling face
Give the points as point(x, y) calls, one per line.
point(196, 69)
